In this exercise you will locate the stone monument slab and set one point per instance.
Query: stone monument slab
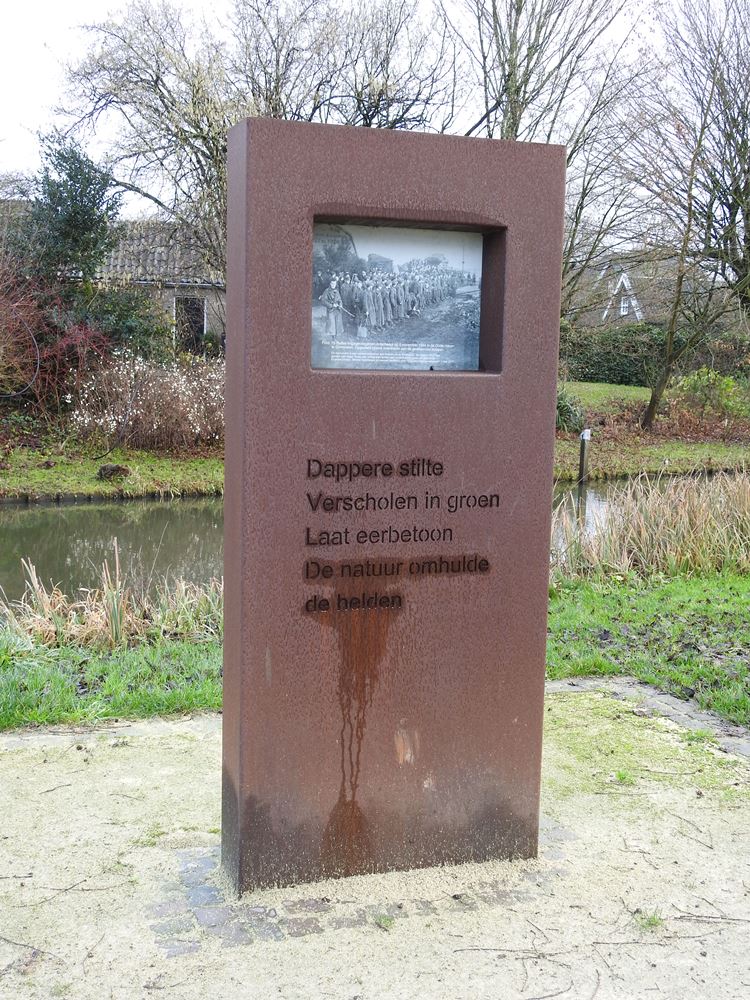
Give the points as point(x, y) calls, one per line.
point(393, 317)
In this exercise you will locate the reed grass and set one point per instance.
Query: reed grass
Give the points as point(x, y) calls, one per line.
point(670, 527)
point(114, 615)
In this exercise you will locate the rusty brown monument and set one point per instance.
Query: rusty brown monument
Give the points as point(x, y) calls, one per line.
point(393, 316)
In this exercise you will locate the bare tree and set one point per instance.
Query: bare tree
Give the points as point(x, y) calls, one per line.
point(365, 63)
point(693, 169)
point(710, 46)
point(167, 102)
point(530, 60)
point(285, 58)
point(170, 91)
point(545, 71)
point(603, 218)
point(399, 72)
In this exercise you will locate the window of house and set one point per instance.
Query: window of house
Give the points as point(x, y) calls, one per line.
point(190, 322)
point(624, 305)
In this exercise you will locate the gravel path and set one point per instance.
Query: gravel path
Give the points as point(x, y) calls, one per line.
point(110, 887)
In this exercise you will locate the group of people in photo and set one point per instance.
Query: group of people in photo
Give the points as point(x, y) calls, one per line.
point(361, 303)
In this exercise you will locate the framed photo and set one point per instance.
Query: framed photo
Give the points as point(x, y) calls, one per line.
point(395, 298)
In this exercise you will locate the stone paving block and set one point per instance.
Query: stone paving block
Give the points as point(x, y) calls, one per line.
point(424, 907)
point(307, 906)
point(169, 908)
point(385, 910)
point(554, 854)
point(550, 830)
point(204, 895)
point(264, 930)
point(178, 925)
point(346, 920)
point(212, 916)
point(202, 863)
point(462, 901)
point(196, 871)
point(233, 936)
point(192, 878)
point(301, 926)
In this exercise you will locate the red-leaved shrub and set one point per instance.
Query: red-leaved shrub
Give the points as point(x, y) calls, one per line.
point(21, 323)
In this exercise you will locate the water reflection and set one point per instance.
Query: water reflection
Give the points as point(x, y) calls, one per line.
point(179, 538)
point(589, 503)
point(68, 543)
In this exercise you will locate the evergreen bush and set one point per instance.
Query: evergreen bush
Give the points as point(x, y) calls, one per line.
point(627, 354)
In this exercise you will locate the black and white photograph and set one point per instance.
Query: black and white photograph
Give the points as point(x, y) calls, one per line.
point(395, 298)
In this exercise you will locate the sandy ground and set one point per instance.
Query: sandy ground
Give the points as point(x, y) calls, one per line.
point(109, 886)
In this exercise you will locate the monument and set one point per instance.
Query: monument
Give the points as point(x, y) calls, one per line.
point(393, 315)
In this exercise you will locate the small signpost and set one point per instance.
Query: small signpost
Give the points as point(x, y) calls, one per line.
point(393, 316)
point(583, 458)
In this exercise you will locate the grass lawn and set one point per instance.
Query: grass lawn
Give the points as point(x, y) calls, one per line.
point(603, 398)
point(630, 452)
point(688, 636)
point(42, 685)
point(633, 454)
point(50, 474)
point(30, 476)
point(55, 472)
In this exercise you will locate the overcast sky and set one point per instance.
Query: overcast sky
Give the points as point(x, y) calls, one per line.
point(38, 37)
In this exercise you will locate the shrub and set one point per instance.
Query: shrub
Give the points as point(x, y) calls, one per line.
point(706, 391)
point(727, 353)
point(630, 354)
point(128, 316)
point(20, 316)
point(43, 353)
point(65, 361)
point(145, 404)
point(570, 412)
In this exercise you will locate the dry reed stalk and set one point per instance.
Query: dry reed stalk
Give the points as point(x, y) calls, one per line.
point(669, 526)
point(112, 615)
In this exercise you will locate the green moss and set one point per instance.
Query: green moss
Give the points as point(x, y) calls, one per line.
point(597, 745)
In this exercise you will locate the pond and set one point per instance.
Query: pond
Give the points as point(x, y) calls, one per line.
point(68, 543)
